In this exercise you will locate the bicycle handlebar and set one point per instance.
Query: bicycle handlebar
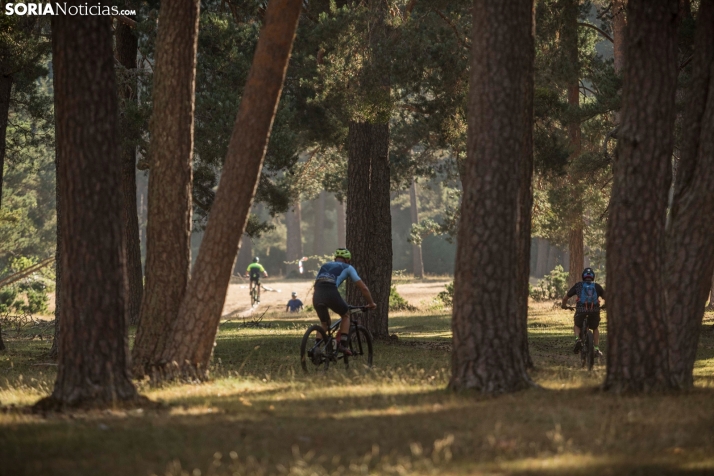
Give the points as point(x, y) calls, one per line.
point(571, 308)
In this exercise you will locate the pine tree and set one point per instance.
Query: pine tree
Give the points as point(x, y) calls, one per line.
point(489, 317)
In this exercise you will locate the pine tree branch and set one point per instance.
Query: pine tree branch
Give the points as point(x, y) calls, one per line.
point(126, 20)
point(459, 37)
point(589, 25)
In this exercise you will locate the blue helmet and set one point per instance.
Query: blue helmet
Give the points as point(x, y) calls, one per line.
point(588, 273)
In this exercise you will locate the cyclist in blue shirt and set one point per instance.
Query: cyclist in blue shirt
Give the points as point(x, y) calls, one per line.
point(294, 305)
point(582, 309)
point(326, 296)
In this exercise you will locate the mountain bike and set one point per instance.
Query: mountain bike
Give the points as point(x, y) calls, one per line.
point(318, 351)
point(587, 350)
point(254, 292)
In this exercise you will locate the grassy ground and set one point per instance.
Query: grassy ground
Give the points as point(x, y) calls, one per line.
point(260, 415)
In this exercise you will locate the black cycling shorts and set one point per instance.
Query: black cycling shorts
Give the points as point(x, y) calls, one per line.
point(593, 318)
point(327, 298)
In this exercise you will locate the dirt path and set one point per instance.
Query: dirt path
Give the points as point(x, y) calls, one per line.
point(238, 302)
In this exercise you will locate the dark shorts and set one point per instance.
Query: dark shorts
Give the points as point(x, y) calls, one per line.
point(255, 279)
point(327, 298)
point(593, 319)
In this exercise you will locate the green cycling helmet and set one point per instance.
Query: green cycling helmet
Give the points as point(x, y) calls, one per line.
point(343, 253)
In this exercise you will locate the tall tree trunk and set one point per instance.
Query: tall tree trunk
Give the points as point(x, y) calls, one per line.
point(127, 47)
point(369, 221)
point(637, 326)
point(569, 38)
point(293, 251)
point(168, 247)
point(54, 349)
point(417, 261)
point(576, 255)
point(192, 336)
point(690, 237)
point(552, 262)
point(93, 347)
point(542, 257)
point(244, 256)
point(619, 22)
point(318, 245)
point(524, 210)
point(341, 225)
point(489, 284)
point(5, 91)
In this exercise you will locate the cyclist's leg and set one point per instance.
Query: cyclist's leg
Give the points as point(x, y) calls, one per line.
point(320, 305)
point(578, 323)
point(324, 315)
point(330, 297)
point(594, 323)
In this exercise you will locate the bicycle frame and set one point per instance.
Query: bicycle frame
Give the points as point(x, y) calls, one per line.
point(331, 349)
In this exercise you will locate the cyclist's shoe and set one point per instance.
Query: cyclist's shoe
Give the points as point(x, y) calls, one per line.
point(578, 346)
point(344, 349)
point(598, 353)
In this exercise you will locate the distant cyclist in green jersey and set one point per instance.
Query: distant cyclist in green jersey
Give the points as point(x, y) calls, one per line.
point(327, 298)
point(253, 272)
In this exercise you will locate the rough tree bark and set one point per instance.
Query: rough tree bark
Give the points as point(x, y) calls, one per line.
point(5, 91)
point(54, 349)
point(341, 225)
point(244, 257)
point(576, 254)
point(417, 260)
point(524, 209)
point(690, 236)
point(93, 346)
point(552, 262)
point(619, 22)
point(542, 257)
point(369, 220)
point(569, 37)
point(489, 315)
point(637, 327)
point(168, 232)
point(192, 336)
point(318, 245)
point(293, 249)
point(126, 49)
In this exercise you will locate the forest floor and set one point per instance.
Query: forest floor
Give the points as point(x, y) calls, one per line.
point(260, 415)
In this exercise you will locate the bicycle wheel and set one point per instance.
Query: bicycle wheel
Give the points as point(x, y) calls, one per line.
point(590, 346)
point(361, 346)
point(312, 355)
point(253, 298)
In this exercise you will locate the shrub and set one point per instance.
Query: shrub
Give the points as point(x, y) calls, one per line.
point(397, 302)
point(552, 286)
point(446, 297)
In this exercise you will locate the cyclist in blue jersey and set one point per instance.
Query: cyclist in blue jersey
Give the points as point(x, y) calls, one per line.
point(326, 297)
point(584, 308)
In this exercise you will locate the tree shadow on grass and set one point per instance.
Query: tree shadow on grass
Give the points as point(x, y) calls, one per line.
point(530, 432)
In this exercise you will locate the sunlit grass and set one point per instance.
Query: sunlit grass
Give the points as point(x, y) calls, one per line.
point(259, 414)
